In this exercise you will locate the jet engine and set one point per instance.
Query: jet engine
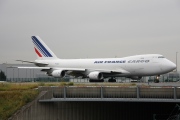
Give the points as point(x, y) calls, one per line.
point(58, 73)
point(95, 76)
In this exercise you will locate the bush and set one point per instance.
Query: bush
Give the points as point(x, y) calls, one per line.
point(66, 84)
point(70, 84)
point(41, 84)
point(63, 84)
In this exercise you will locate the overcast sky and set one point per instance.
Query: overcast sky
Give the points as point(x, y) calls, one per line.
point(90, 28)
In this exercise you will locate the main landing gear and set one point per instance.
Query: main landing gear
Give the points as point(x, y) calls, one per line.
point(112, 80)
point(102, 80)
point(90, 80)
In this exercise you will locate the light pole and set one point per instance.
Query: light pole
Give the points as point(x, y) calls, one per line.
point(5, 65)
point(6, 70)
point(18, 74)
point(176, 62)
point(13, 74)
point(0, 75)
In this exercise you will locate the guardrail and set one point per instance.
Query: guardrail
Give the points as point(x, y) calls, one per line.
point(111, 93)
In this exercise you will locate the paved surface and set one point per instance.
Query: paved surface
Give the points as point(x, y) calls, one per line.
point(177, 84)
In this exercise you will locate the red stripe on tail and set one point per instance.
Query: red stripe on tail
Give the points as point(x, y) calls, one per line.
point(37, 52)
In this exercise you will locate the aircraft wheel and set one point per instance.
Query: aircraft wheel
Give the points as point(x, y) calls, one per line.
point(91, 80)
point(112, 80)
point(96, 80)
point(102, 80)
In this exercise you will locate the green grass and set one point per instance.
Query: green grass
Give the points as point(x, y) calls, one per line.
point(16, 86)
point(14, 96)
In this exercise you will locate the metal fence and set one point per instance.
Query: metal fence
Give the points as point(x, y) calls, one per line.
point(111, 93)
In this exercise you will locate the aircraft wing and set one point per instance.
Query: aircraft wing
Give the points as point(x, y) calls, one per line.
point(70, 69)
point(76, 71)
point(120, 71)
point(106, 71)
point(47, 68)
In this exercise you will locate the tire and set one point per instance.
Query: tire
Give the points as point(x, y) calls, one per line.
point(96, 80)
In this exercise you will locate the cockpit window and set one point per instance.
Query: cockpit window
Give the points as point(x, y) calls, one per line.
point(161, 57)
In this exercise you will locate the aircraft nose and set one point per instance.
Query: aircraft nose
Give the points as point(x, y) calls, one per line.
point(171, 65)
point(168, 66)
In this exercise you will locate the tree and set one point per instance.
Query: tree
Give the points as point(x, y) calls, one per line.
point(2, 76)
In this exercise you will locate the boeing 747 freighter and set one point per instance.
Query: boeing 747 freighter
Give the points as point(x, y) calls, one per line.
point(134, 67)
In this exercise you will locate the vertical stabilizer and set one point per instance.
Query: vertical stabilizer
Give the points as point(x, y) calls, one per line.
point(41, 49)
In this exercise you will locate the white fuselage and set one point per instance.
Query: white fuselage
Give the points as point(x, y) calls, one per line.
point(139, 65)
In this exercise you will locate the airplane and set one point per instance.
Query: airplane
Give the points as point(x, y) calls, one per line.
point(134, 67)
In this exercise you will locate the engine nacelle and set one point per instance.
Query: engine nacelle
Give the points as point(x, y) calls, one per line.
point(95, 75)
point(58, 73)
point(136, 77)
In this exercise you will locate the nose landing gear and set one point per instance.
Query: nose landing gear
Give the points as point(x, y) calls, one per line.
point(156, 80)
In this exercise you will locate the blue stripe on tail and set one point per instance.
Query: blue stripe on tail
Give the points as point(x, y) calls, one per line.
point(38, 43)
point(39, 48)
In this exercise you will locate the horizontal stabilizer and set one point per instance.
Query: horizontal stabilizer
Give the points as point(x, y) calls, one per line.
point(32, 62)
point(47, 68)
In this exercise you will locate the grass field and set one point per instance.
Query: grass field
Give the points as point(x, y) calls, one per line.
point(14, 96)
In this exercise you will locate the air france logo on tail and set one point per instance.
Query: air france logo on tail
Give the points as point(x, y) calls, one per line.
point(40, 49)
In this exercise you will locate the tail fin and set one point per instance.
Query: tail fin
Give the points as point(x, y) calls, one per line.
point(41, 49)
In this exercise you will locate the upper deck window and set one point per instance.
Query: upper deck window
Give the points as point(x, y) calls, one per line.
point(161, 57)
